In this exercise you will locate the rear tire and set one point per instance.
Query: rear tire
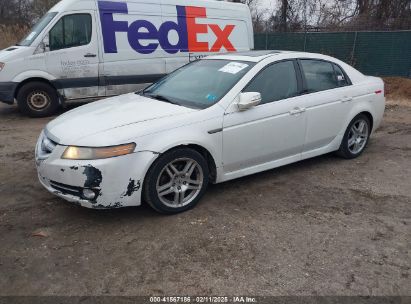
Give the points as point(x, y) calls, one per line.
point(37, 99)
point(355, 137)
point(176, 181)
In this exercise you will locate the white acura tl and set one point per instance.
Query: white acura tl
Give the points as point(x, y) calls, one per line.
point(212, 120)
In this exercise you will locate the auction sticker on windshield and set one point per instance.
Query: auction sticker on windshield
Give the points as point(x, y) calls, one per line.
point(233, 67)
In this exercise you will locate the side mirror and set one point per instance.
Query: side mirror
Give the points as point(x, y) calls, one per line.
point(248, 100)
point(46, 43)
point(43, 46)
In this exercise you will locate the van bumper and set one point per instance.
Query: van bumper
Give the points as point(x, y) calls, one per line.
point(7, 92)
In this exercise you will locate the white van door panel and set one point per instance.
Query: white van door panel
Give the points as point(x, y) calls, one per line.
point(142, 41)
point(124, 68)
point(208, 31)
point(73, 58)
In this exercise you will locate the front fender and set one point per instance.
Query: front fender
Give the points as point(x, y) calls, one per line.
point(197, 134)
point(33, 74)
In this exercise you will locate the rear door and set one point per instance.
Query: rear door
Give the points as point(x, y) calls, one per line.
point(327, 101)
point(73, 57)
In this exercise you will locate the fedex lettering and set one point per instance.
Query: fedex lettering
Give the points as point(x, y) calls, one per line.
point(186, 27)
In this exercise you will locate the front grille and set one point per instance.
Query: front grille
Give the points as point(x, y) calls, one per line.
point(66, 189)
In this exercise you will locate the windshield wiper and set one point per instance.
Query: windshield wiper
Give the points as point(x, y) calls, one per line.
point(160, 97)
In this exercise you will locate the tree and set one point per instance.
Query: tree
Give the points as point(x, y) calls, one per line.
point(284, 13)
point(23, 12)
point(257, 14)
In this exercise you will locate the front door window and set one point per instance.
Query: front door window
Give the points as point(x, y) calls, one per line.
point(71, 31)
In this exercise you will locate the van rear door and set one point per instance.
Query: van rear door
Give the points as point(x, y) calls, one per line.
point(73, 57)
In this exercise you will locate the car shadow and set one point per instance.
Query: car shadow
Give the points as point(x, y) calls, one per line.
point(214, 194)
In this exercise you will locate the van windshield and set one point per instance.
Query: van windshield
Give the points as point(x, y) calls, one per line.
point(200, 84)
point(37, 29)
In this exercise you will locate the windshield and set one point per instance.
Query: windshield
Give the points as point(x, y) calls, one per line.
point(37, 29)
point(200, 84)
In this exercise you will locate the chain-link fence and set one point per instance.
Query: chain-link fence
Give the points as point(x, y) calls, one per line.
point(373, 53)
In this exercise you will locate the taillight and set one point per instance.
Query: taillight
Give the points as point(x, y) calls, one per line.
point(378, 92)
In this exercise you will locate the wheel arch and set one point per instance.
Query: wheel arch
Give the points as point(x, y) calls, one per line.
point(212, 167)
point(34, 79)
point(198, 148)
point(354, 113)
point(369, 116)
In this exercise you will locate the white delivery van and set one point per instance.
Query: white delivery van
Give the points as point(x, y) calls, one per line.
point(88, 49)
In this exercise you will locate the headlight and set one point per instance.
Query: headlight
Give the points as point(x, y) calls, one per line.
point(2, 64)
point(73, 152)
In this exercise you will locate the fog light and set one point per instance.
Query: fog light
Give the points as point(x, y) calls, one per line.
point(89, 194)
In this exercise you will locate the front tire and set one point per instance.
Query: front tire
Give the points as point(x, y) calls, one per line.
point(176, 181)
point(37, 99)
point(355, 137)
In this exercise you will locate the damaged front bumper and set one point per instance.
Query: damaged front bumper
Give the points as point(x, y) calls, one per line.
point(116, 182)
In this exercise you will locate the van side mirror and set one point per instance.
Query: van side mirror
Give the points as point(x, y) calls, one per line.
point(41, 48)
point(44, 45)
point(248, 100)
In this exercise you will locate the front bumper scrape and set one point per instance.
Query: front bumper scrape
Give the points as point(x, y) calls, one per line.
point(117, 181)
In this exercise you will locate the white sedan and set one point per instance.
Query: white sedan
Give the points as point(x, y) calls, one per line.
point(212, 120)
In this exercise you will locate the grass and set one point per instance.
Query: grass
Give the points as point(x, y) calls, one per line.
point(398, 89)
point(10, 35)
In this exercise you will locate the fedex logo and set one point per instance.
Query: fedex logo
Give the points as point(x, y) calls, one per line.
point(141, 31)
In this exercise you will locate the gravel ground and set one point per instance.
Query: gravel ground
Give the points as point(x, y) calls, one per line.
point(324, 226)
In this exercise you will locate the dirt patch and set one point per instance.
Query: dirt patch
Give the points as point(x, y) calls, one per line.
point(323, 226)
point(398, 91)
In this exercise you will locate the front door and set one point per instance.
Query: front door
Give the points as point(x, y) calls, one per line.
point(73, 57)
point(273, 130)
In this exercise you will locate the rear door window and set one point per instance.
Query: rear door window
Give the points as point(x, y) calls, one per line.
point(341, 78)
point(319, 75)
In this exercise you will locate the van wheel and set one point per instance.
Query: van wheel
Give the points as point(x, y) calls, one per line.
point(37, 99)
point(176, 181)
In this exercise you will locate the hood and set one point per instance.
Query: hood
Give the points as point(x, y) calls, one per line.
point(116, 112)
point(15, 52)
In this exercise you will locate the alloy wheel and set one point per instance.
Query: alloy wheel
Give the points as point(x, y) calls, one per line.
point(358, 135)
point(179, 182)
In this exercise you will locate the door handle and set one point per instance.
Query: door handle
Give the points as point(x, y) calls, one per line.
point(346, 99)
point(90, 55)
point(297, 110)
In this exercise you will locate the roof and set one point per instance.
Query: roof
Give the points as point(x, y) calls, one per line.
point(252, 56)
point(257, 56)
